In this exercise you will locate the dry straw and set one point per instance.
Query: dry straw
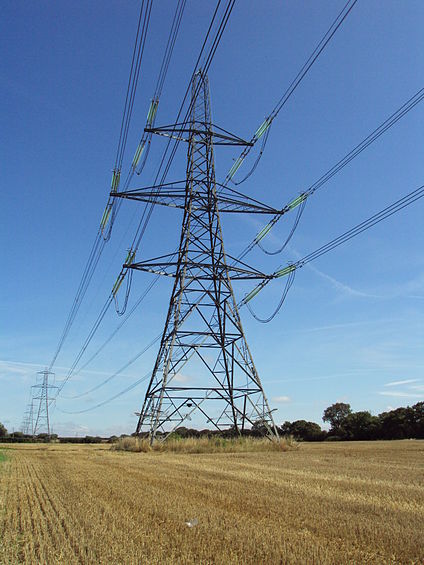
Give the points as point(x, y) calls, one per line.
point(205, 445)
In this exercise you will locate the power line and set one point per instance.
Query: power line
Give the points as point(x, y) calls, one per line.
point(128, 107)
point(147, 213)
point(368, 140)
point(264, 127)
point(357, 150)
point(144, 144)
point(139, 44)
point(122, 392)
point(287, 287)
point(301, 201)
point(118, 372)
point(88, 272)
point(343, 162)
point(287, 270)
point(291, 233)
point(148, 210)
point(99, 243)
point(106, 342)
point(365, 225)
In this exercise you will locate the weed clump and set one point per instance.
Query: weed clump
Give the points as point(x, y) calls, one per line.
point(177, 444)
point(133, 444)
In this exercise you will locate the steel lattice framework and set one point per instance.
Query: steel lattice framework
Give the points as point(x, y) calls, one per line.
point(42, 394)
point(28, 420)
point(203, 329)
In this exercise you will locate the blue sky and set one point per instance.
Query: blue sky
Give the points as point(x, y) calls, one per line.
point(351, 328)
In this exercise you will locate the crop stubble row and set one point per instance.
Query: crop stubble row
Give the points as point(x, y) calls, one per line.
point(344, 503)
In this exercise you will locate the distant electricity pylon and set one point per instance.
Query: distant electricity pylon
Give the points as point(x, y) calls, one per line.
point(42, 394)
point(28, 421)
point(204, 364)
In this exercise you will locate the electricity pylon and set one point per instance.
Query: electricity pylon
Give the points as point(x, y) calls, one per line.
point(28, 421)
point(203, 329)
point(42, 394)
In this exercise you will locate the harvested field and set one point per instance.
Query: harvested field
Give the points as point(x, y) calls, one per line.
point(323, 503)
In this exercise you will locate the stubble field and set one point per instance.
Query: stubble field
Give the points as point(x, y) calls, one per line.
point(323, 503)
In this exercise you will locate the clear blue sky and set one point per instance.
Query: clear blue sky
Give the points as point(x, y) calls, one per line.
point(352, 325)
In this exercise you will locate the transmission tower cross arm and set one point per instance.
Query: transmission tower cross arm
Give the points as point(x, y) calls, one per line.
point(174, 196)
point(181, 132)
point(204, 270)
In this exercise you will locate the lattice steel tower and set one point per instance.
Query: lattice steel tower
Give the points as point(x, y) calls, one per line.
point(203, 329)
point(42, 394)
point(28, 420)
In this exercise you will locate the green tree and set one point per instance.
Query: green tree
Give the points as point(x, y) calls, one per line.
point(308, 431)
point(285, 429)
point(3, 431)
point(399, 423)
point(418, 420)
point(336, 415)
point(361, 425)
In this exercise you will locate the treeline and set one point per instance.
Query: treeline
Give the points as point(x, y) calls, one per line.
point(19, 437)
point(402, 423)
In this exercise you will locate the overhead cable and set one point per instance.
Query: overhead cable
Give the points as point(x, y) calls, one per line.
point(148, 210)
point(101, 236)
point(290, 269)
point(114, 397)
point(143, 147)
point(264, 127)
point(299, 201)
point(207, 62)
point(287, 270)
point(118, 372)
point(74, 372)
point(289, 282)
point(357, 150)
point(140, 40)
